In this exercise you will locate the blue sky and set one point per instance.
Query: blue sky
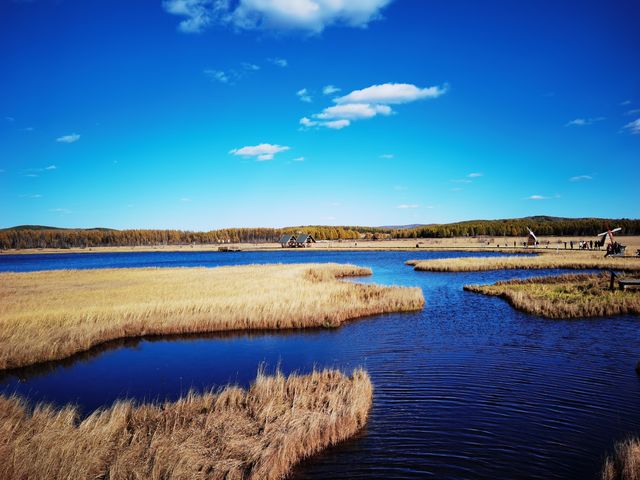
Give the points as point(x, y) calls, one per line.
point(201, 114)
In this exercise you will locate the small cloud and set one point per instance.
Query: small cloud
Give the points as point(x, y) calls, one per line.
point(262, 152)
point(581, 122)
point(474, 175)
point(303, 95)
point(392, 93)
point(634, 111)
point(298, 159)
point(10, 119)
point(51, 167)
point(406, 206)
point(280, 62)
point(250, 66)
point(185, 199)
point(35, 195)
point(61, 211)
point(537, 197)
point(626, 102)
point(32, 175)
point(72, 138)
point(460, 180)
point(580, 178)
point(27, 129)
point(333, 124)
point(330, 90)
point(218, 75)
point(387, 156)
point(633, 127)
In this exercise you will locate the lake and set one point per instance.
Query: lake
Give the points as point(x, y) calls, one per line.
point(467, 388)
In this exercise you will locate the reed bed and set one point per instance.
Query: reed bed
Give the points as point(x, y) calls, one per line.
point(51, 315)
point(258, 433)
point(625, 463)
point(564, 296)
point(547, 260)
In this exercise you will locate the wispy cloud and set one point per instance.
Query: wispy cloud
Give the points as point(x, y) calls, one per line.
point(626, 102)
point(218, 75)
point(581, 122)
point(387, 156)
point(406, 206)
point(580, 178)
point(298, 159)
point(185, 199)
point(311, 16)
point(61, 211)
point(330, 90)
point(32, 196)
point(252, 67)
point(280, 62)
point(460, 180)
point(368, 103)
point(10, 119)
point(72, 138)
point(634, 111)
point(633, 127)
point(475, 175)
point(261, 152)
point(303, 95)
point(51, 167)
point(537, 197)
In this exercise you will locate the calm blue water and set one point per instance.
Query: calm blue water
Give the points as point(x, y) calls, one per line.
point(468, 388)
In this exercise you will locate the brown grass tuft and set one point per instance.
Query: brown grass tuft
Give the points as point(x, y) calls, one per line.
point(259, 433)
point(564, 296)
point(625, 463)
point(51, 315)
point(549, 260)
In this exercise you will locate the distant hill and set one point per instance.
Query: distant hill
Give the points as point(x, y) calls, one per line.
point(45, 227)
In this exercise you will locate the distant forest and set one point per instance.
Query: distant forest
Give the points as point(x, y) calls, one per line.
point(49, 237)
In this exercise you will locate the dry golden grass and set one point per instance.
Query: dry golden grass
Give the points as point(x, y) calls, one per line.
point(259, 433)
point(549, 260)
point(625, 464)
point(50, 315)
point(564, 296)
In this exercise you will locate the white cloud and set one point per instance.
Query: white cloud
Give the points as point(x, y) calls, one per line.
point(391, 94)
point(368, 103)
point(218, 75)
point(633, 127)
point(474, 175)
point(387, 156)
point(51, 167)
point(330, 90)
point(303, 95)
point(581, 122)
point(264, 151)
point(405, 206)
point(250, 66)
point(61, 211)
point(304, 15)
point(537, 197)
point(74, 137)
point(626, 102)
point(298, 159)
point(580, 178)
point(280, 62)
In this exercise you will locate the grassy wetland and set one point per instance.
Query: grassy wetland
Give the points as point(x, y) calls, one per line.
point(258, 433)
point(625, 463)
point(50, 315)
point(564, 296)
point(575, 261)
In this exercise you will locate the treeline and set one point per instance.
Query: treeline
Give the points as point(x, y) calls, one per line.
point(541, 226)
point(38, 237)
point(46, 237)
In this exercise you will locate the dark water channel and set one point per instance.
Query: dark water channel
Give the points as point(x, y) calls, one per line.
point(468, 388)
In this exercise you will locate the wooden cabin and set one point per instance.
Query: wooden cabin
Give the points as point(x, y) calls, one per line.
point(287, 241)
point(304, 240)
point(301, 240)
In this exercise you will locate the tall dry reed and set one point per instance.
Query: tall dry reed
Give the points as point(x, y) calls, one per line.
point(51, 315)
point(549, 260)
point(259, 433)
point(564, 296)
point(625, 463)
